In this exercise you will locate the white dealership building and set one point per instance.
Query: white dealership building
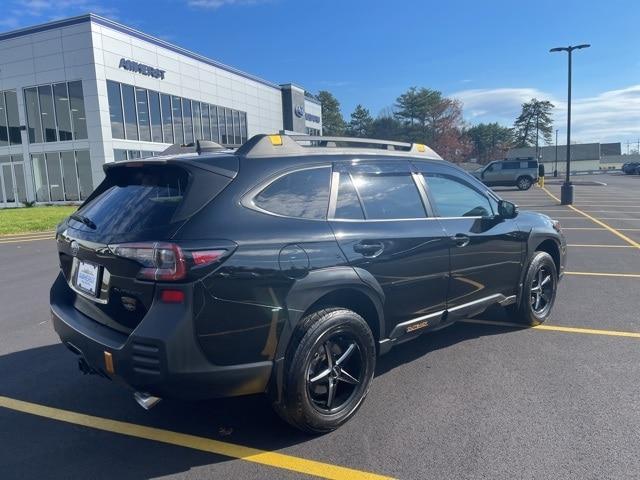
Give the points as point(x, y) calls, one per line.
point(79, 92)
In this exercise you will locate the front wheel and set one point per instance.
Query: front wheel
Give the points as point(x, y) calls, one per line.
point(538, 291)
point(524, 183)
point(328, 370)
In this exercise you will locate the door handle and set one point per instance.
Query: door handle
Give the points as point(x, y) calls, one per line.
point(460, 240)
point(372, 249)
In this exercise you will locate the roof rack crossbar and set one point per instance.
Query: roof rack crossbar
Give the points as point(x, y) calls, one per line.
point(287, 144)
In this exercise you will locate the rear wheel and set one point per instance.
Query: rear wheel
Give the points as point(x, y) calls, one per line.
point(538, 291)
point(524, 183)
point(328, 370)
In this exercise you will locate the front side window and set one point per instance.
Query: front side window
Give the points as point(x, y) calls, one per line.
point(386, 197)
point(454, 198)
point(302, 194)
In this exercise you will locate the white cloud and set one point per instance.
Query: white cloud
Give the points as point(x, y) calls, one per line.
point(215, 4)
point(612, 115)
point(21, 13)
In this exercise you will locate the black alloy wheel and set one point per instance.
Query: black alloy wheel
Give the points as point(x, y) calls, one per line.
point(327, 372)
point(334, 373)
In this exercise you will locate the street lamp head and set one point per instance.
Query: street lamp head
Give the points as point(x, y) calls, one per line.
point(559, 49)
point(584, 45)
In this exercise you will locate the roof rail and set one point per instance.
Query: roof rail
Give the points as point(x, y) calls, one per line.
point(199, 146)
point(281, 144)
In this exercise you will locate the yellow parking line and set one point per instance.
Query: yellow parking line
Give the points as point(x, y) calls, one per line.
point(25, 235)
point(583, 228)
point(597, 246)
point(2, 242)
point(599, 222)
point(605, 274)
point(271, 459)
point(558, 328)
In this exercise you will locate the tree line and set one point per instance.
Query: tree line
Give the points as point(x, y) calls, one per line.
point(423, 115)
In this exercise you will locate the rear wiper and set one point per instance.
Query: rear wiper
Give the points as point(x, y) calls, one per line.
point(86, 220)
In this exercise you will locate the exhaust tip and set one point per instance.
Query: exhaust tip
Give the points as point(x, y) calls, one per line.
point(145, 400)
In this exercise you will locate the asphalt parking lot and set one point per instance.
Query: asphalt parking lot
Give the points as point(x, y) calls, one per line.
point(482, 399)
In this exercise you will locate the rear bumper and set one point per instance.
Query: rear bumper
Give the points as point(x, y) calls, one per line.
point(161, 356)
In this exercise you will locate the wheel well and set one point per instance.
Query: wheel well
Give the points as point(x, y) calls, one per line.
point(354, 300)
point(552, 249)
point(525, 176)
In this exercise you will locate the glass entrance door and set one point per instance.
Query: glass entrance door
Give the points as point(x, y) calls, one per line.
point(12, 184)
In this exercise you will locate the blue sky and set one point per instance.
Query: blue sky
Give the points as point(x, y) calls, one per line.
point(492, 55)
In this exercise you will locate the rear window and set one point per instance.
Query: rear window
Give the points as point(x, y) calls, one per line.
point(387, 197)
point(302, 194)
point(136, 199)
point(511, 165)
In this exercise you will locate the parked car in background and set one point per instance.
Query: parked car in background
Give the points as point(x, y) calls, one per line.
point(631, 168)
point(521, 173)
point(286, 267)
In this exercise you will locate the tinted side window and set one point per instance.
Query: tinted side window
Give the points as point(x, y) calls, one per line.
point(303, 194)
point(348, 204)
point(511, 165)
point(389, 196)
point(456, 199)
point(532, 164)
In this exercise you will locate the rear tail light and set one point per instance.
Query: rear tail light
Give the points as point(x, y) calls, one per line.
point(165, 261)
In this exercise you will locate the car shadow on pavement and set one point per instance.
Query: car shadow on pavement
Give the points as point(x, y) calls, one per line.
point(48, 375)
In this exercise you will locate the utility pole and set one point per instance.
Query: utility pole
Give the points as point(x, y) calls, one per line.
point(555, 167)
point(566, 191)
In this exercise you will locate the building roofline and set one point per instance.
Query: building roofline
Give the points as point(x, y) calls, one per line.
point(92, 17)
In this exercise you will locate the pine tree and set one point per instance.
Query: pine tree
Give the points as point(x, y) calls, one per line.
point(332, 121)
point(360, 123)
point(534, 123)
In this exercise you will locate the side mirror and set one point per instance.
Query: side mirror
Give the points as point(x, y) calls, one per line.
point(507, 209)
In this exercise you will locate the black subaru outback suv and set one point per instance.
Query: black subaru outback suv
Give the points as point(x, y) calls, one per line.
point(286, 267)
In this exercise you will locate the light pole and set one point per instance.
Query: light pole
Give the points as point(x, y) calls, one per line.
point(566, 191)
point(555, 167)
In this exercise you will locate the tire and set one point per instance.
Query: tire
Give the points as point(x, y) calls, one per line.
point(343, 336)
point(524, 183)
point(535, 303)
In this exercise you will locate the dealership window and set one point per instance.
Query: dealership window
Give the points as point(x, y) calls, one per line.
point(137, 113)
point(115, 109)
point(130, 116)
point(206, 125)
point(187, 120)
point(236, 127)
point(197, 121)
point(45, 95)
point(156, 119)
point(243, 127)
point(78, 116)
point(215, 130)
point(4, 123)
point(55, 113)
point(167, 118)
point(63, 117)
point(229, 116)
point(177, 119)
point(62, 176)
point(69, 176)
point(120, 154)
point(142, 105)
point(33, 115)
point(9, 122)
